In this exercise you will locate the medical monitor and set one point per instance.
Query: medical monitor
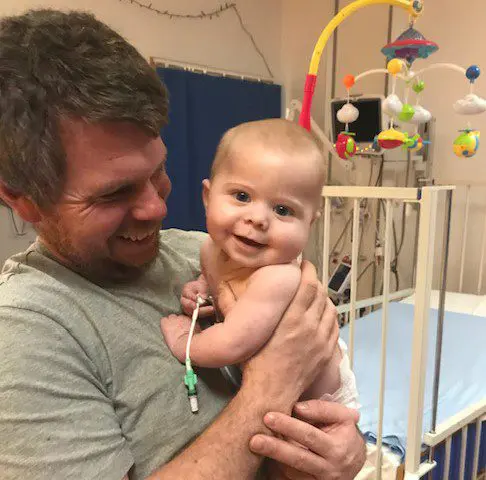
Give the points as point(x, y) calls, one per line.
point(367, 126)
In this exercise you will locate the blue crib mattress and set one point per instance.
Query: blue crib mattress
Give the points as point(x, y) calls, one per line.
point(463, 368)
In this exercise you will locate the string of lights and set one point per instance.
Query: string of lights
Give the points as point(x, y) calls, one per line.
point(203, 16)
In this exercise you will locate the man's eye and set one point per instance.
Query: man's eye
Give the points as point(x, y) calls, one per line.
point(123, 192)
point(242, 197)
point(283, 211)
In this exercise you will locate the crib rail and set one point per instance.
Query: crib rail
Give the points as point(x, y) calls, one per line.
point(427, 199)
point(472, 228)
point(461, 422)
point(476, 412)
point(372, 302)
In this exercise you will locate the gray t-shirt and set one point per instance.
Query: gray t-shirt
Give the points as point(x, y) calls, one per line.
point(88, 388)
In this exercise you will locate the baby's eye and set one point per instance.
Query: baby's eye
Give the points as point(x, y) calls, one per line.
point(242, 197)
point(283, 211)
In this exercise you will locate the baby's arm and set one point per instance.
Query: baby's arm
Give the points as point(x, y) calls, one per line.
point(249, 324)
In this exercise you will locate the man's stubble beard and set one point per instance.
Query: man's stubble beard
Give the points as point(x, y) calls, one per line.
point(101, 270)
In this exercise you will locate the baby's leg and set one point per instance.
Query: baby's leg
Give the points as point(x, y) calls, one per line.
point(337, 383)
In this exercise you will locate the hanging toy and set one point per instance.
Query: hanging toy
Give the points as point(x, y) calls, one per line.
point(349, 82)
point(348, 113)
point(410, 45)
point(471, 104)
point(391, 138)
point(418, 87)
point(392, 105)
point(345, 145)
point(467, 143)
point(415, 143)
point(394, 66)
point(407, 113)
point(472, 73)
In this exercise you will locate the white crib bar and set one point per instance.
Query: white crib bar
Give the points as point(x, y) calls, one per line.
point(354, 277)
point(464, 237)
point(325, 241)
point(398, 193)
point(477, 444)
point(427, 227)
point(447, 460)
point(463, 453)
point(481, 262)
point(371, 302)
point(384, 330)
point(453, 424)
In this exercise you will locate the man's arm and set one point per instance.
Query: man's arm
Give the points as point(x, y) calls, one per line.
point(273, 380)
point(334, 447)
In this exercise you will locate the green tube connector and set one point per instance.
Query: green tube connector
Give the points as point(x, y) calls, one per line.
point(190, 381)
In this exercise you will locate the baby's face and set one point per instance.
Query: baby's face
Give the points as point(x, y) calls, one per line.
point(260, 206)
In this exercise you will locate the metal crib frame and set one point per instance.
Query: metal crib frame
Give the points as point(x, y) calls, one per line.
point(427, 198)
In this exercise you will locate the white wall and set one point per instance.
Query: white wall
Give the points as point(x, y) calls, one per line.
point(10, 241)
point(218, 43)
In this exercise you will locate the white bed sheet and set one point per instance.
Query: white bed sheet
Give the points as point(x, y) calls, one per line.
point(456, 302)
point(463, 370)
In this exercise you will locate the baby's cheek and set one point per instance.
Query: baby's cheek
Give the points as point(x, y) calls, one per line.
point(297, 240)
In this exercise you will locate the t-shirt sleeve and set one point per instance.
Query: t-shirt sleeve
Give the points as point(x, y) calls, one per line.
point(56, 419)
point(186, 245)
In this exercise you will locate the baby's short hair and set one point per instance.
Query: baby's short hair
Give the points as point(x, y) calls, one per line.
point(276, 134)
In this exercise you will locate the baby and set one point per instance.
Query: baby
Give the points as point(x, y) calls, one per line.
point(261, 200)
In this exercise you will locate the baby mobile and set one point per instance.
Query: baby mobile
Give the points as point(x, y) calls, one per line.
point(401, 55)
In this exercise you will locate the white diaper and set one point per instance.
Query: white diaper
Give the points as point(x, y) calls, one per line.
point(347, 393)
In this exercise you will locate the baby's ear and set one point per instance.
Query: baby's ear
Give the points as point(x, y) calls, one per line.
point(316, 216)
point(205, 193)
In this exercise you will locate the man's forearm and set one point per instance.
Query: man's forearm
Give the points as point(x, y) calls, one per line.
point(222, 451)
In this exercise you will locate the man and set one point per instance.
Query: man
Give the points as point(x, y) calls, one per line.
point(88, 389)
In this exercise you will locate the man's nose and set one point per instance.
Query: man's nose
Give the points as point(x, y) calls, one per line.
point(148, 205)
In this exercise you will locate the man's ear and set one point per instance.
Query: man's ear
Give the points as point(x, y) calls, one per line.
point(205, 193)
point(23, 206)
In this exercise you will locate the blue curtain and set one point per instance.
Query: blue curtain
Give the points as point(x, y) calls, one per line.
point(202, 108)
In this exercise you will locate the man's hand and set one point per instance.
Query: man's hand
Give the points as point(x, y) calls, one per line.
point(175, 329)
point(300, 347)
point(189, 295)
point(322, 444)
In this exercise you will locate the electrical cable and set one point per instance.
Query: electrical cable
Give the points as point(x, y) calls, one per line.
point(365, 269)
point(204, 15)
point(333, 249)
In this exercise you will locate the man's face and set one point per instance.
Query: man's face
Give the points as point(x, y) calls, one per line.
point(106, 223)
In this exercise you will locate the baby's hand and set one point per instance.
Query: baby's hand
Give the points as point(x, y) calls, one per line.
point(189, 295)
point(175, 329)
